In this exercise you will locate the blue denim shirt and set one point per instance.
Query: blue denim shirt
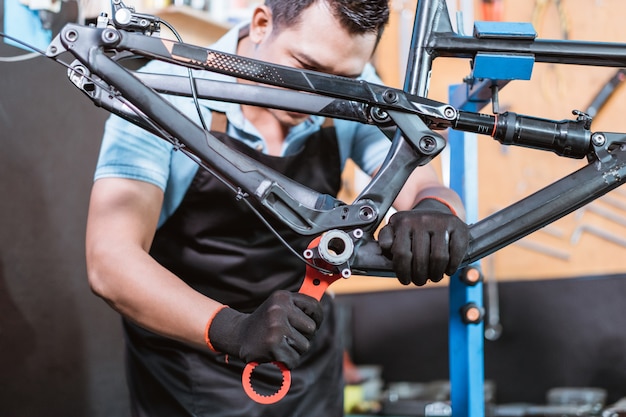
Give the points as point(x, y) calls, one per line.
point(128, 151)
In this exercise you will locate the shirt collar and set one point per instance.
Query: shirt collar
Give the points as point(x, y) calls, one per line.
point(228, 44)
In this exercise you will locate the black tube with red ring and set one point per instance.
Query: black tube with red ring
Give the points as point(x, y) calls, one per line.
point(570, 138)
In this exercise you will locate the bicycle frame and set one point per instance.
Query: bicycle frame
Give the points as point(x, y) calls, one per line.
point(407, 117)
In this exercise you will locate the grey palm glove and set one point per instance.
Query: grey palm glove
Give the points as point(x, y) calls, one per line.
point(280, 329)
point(425, 242)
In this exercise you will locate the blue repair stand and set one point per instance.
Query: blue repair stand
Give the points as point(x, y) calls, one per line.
point(466, 339)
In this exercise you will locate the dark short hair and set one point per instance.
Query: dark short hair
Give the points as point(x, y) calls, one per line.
point(357, 16)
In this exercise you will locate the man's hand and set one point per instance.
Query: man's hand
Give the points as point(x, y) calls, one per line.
point(424, 243)
point(280, 329)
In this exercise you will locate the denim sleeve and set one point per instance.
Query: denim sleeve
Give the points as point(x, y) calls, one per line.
point(128, 151)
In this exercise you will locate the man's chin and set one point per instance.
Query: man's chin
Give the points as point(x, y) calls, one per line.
point(289, 118)
point(297, 118)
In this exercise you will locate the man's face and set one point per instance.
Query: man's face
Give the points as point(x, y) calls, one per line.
point(317, 43)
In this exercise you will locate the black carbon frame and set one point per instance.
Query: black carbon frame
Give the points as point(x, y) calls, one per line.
point(310, 213)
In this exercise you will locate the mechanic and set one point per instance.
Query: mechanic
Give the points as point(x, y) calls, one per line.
point(202, 285)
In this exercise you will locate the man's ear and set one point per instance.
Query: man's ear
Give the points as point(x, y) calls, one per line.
point(261, 24)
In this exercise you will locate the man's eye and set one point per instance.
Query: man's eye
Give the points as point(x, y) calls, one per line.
point(306, 66)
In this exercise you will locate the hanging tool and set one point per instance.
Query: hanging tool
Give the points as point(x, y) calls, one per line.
point(492, 10)
point(606, 92)
point(539, 11)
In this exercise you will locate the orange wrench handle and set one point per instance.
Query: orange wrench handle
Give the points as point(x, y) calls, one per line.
point(315, 284)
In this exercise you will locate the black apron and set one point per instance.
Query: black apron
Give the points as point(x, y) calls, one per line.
point(219, 247)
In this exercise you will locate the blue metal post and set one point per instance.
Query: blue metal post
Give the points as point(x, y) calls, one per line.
point(466, 356)
point(466, 340)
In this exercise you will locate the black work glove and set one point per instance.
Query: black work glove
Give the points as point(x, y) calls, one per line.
point(280, 329)
point(424, 243)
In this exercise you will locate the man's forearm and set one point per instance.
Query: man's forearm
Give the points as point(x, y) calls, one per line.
point(146, 293)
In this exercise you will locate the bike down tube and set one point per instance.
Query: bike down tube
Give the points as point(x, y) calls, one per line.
point(527, 215)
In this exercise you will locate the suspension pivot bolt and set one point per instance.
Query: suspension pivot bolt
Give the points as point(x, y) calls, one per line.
point(390, 96)
point(598, 139)
point(427, 144)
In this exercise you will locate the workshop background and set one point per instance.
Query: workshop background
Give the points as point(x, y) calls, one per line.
point(560, 290)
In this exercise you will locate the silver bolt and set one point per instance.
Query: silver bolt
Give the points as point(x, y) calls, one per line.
point(427, 144)
point(390, 96)
point(110, 36)
point(71, 35)
point(449, 112)
point(598, 139)
point(366, 213)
